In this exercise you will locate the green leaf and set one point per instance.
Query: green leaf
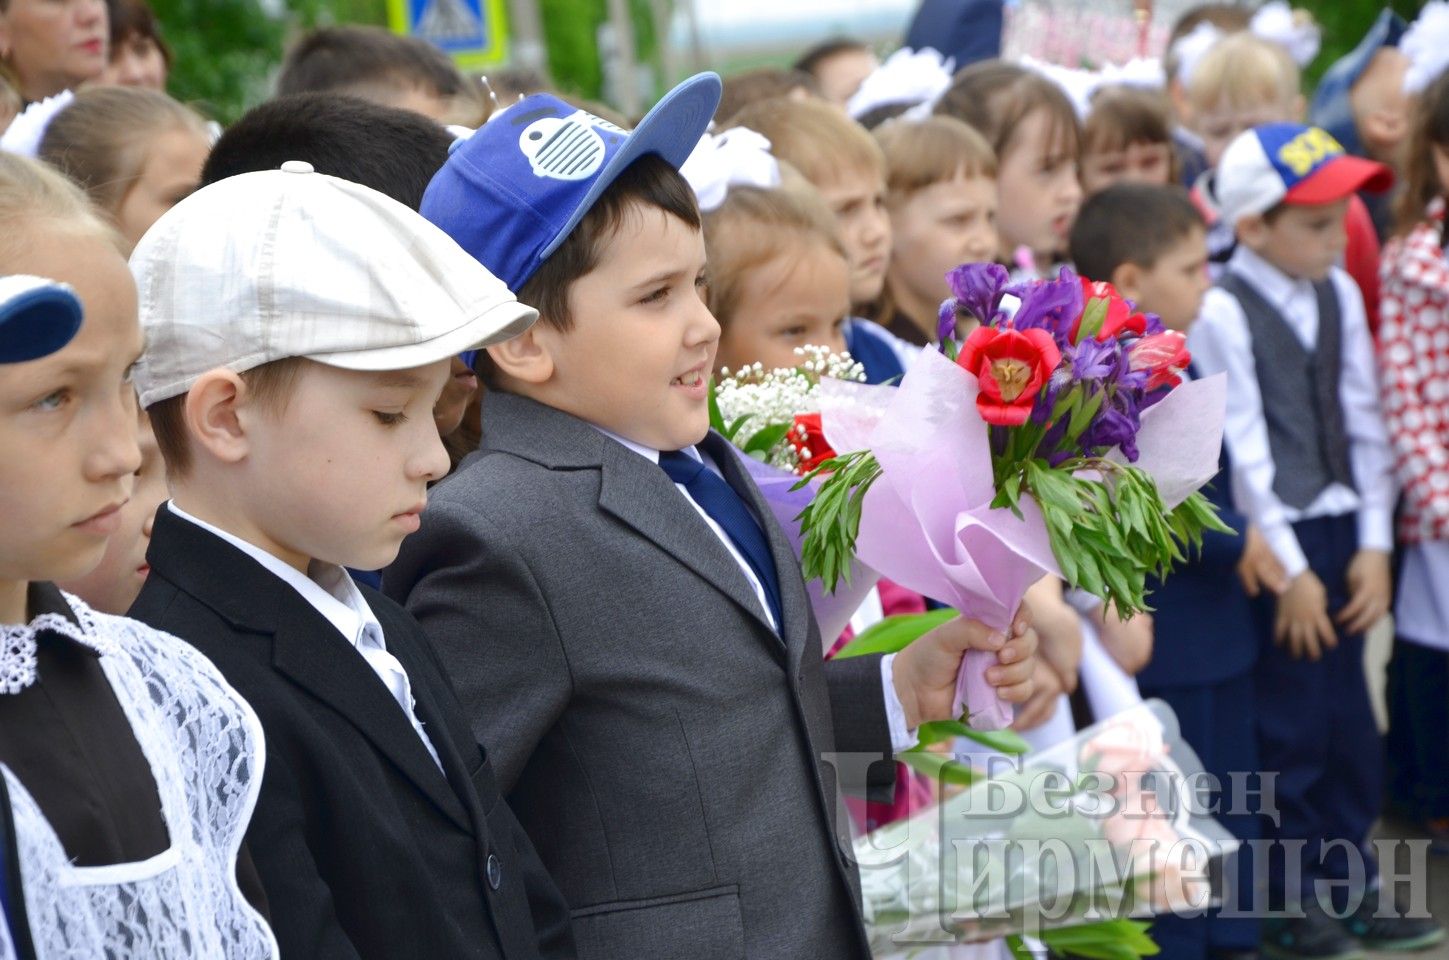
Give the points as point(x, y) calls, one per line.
point(1018, 948)
point(765, 438)
point(894, 634)
point(938, 767)
point(716, 419)
point(937, 731)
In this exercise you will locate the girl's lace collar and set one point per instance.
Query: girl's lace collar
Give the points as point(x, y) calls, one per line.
point(18, 643)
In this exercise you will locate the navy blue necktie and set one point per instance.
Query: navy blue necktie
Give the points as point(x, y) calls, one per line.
point(728, 509)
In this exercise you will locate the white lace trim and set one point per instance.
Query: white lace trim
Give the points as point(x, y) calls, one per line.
point(205, 748)
point(18, 646)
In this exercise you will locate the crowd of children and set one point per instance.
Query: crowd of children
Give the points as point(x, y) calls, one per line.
point(372, 584)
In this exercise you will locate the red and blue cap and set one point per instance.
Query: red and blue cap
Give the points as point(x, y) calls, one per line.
point(513, 191)
point(37, 317)
point(1289, 163)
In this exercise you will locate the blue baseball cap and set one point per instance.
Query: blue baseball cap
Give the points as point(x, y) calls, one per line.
point(513, 191)
point(37, 317)
point(1289, 163)
point(1332, 108)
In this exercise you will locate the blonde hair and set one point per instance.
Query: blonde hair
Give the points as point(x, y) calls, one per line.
point(921, 153)
point(31, 195)
point(1243, 70)
point(754, 226)
point(814, 137)
point(102, 140)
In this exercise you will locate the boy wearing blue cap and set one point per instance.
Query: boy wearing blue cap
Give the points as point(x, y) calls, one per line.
point(626, 624)
point(1312, 470)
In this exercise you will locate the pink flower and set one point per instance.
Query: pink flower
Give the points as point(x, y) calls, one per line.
point(1163, 355)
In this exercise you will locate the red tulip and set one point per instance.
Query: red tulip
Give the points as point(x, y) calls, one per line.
point(1164, 355)
point(807, 436)
point(1120, 316)
point(1011, 367)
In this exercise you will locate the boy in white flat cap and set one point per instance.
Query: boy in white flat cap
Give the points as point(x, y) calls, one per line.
point(299, 330)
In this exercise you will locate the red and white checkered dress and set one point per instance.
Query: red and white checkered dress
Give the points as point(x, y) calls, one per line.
point(1414, 358)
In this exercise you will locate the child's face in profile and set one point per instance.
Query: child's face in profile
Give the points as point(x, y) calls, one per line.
point(113, 585)
point(857, 198)
point(171, 173)
point(461, 390)
point(1038, 189)
point(68, 421)
point(799, 299)
point(1302, 240)
point(938, 228)
point(341, 473)
point(841, 75)
point(1139, 162)
point(1174, 286)
point(637, 359)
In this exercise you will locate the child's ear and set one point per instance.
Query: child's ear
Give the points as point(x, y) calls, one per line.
point(214, 414)
point(1251, 231)
point(527, 357)
point(1127, 278)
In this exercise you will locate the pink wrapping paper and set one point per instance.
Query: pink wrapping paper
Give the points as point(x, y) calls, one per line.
point(832, 610)
point(927, 522)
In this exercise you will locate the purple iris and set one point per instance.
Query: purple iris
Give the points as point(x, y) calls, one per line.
point(1094, 360)
point(977, 288)
point(1052, 305)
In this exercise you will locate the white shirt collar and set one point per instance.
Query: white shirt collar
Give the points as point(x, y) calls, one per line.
point(648, 453)
point(1275, 285)
point(328, 588)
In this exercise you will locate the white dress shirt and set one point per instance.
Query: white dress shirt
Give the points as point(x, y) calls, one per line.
point(901, 737)
point(329, 589)
point(1220, 341)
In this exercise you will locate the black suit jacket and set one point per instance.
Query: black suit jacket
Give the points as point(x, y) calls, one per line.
point(364, 847)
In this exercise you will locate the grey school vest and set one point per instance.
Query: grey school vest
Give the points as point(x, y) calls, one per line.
point(1299, 388)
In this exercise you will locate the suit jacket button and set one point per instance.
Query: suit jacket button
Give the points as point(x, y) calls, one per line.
point(495, 871)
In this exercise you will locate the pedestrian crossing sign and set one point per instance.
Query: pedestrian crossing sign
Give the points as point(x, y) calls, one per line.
point(472, 32)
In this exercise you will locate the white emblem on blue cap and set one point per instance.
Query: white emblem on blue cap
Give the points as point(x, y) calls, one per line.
point(566, 149)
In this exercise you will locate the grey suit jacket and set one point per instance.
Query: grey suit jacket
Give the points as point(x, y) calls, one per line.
point(660, 743)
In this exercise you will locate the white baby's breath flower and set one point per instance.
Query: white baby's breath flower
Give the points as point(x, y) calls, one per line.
point(758, 398)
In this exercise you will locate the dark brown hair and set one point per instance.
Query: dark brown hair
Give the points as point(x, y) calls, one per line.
point(994, 97)
point(134, 19)
point(1421, 180)
point(1122, 115)
point(1130, 223)
point(365, 61)
point(271, 386)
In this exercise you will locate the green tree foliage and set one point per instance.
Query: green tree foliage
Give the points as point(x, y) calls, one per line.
point(1344, 23)
point(227, 51)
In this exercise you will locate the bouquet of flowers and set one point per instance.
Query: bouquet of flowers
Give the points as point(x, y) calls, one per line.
point(1056, 438)
point(1066, 846)
point(772, 418)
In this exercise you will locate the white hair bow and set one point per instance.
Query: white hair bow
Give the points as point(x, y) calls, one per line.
point(1297, 34)
point(1275, 22)
point(1426, 45)
point(737, 157)
point(25, 132)
point(908, 76)
point(1081, 85)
